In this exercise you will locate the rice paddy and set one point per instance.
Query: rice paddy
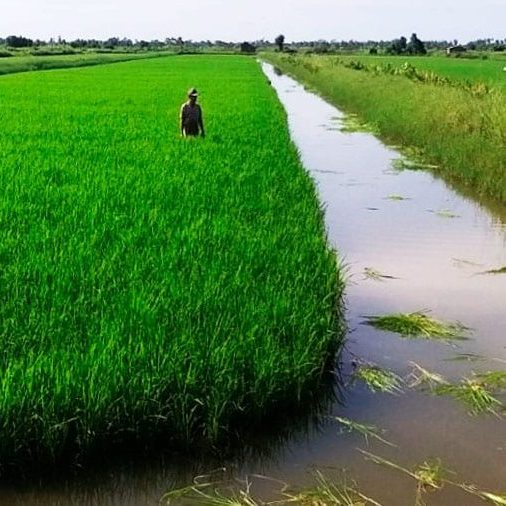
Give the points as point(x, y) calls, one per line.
point(153, 286)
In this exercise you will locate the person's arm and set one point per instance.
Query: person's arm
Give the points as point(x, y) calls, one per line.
point(201, 124)
point(182, 121)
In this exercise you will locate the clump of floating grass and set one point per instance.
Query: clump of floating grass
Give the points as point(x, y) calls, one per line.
point(378, 379)
point(462, 262)
point(497, 499)
point(422, 377)
point(370, 273)
point(477, 392)
point(446, 213)
point(474, 394)
point(431, 475)
point(500, 270)
point(465, 357)
point(351, 123)
point(418, 325)
point(341, 492)
point(366, 430)
point(331, 493)
point(396, 198)
point(409, 164)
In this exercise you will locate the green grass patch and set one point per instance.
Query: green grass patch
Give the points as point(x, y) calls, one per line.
point(418, 325)
point(154, 286)
point(457, 126)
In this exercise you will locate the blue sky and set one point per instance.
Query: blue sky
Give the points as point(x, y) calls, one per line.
point(255, 19)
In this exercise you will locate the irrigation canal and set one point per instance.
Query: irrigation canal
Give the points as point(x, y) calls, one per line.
point(436, 245)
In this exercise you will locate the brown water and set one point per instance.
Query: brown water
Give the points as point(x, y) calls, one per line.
point(437, 261)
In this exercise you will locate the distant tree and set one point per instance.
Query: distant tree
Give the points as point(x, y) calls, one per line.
point(398, 46)
point(373, 50)
point(416, 46)
point(280, 42)
point(246, 47)
point(18, 41)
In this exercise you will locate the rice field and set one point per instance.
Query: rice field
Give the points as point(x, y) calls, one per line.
point(154, 286)
point(27, 63)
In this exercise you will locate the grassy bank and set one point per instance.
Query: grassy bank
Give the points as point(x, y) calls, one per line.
point(460, 129)
point(489, 71)
point(16, 64)
point(153, 285)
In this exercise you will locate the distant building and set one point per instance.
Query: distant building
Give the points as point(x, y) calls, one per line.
point(452, 50)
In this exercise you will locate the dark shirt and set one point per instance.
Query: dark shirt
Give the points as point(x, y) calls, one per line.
point(191, 119)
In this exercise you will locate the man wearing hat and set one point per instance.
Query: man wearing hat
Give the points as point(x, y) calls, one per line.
point(191, 116)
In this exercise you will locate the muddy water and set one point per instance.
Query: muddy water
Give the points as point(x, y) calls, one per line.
point(436, 244)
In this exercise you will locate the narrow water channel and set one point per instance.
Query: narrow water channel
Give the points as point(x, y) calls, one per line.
point(435, 244)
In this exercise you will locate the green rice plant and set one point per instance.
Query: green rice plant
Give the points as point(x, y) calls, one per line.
point(418, 325)
point(378, 379)
point(366, 430)
point(155, 287)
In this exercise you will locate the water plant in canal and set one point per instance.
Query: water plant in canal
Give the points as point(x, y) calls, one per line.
point(431, 475)
point(351, 123)
point(325, 492)
point(375, 275)
point(418, 325)
point(478, 392)
point(474, 394)
point(445, 213)
point(377, 379)
point(367, 430)
point(499, 270)
point(396, 198)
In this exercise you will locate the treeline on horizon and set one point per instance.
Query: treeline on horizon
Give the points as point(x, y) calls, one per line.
point(13, 43)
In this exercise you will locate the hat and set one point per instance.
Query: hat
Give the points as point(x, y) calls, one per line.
point(192, 92)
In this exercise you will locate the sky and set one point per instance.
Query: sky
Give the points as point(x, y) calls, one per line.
point(239, 20)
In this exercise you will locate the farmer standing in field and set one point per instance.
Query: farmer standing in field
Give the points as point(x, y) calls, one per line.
point(191, 116)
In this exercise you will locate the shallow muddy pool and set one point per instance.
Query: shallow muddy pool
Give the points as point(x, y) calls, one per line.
point(435, 246)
